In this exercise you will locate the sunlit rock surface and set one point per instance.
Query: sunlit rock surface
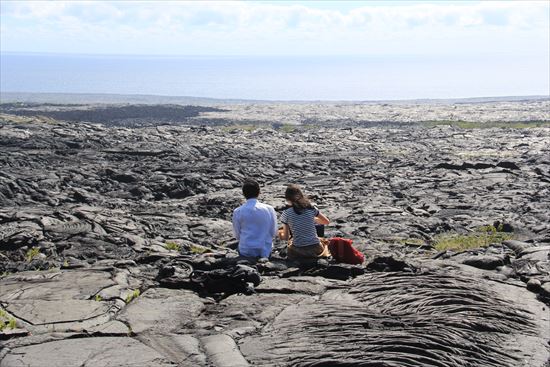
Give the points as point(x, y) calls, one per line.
point(101, 226)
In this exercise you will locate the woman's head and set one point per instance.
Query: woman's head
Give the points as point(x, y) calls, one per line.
point(296, 197)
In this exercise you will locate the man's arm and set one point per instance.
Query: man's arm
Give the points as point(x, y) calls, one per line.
point(236, 225)
point(273, 231)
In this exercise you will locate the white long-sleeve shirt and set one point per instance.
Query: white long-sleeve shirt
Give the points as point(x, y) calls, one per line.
point(255, 226)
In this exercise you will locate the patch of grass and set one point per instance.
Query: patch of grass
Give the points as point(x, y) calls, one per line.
point(4, 117)
point(198, 249)
point(288, 128)
point(6, 322)
point(98, 298)
point(130, 297)
point(240, 127)
point(412, 241)
point(489, 124)
point(481, 237)
point(32, 253)
point(172, 246)
point(16, 119)
point(475, 154)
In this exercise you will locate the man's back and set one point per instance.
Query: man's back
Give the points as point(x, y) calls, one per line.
point(255, 225)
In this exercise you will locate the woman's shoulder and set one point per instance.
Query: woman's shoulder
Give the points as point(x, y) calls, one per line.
point(310, 211)
point(287, 212)
point(291, 211)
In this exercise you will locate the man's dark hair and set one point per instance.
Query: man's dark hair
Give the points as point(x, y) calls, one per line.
point(251, 189)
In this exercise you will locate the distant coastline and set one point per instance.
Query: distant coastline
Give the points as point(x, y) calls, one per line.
point(110, 98)
point(151, 110)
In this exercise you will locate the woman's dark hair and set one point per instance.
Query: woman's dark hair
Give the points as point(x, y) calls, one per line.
point(251, 189)
point(299, 201)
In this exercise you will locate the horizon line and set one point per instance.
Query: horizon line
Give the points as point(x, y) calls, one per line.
point(54, 53)
point(213, 99)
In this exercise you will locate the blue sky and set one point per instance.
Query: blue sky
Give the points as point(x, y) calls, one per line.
point(382, 28)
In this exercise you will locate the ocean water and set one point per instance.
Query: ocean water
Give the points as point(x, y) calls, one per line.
point(279, 78)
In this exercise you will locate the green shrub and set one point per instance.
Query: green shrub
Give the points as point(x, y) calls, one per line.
point(130, 297)
point(7, 322)
point(32, 253)
point(195, 249)
point(172, 246)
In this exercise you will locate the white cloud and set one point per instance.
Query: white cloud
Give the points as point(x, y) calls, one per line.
point(260, 28)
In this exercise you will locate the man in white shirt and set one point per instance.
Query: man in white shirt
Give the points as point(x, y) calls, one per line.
point(254, 223)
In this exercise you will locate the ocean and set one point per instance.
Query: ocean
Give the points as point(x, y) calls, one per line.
point(307, 78)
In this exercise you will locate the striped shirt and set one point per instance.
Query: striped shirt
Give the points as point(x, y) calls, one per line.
point(302, 226)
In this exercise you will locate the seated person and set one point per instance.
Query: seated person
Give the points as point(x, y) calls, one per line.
point(254, 223)
point(300, 220)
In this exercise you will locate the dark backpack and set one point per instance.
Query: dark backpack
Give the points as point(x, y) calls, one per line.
point(342, 251)
point(232, 280)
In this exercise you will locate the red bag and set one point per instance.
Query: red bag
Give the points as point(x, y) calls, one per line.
point(342, 251)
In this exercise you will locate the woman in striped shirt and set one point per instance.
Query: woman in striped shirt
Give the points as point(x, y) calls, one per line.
point(299, 223)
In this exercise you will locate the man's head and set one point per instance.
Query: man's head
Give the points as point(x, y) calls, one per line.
point(251, 189)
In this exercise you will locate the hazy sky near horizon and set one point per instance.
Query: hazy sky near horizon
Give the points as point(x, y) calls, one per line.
point(382, 28)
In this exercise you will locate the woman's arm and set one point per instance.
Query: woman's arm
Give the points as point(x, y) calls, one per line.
point(284, 234)
point(321, 219)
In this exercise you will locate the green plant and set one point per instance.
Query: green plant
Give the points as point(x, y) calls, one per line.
point(288, 128)
point(7, 322)
point(490, 228)
point(240, 127)
point(98, 298)
point(130, 297)
point(412, 241)
point(198, 249)
point(172, 246)
point(481, 237)
point(32, 253)
point(66, 264)
point(488, 124)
